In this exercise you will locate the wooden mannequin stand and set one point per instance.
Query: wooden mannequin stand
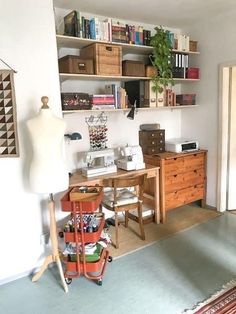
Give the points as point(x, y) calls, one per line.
point(54, 257)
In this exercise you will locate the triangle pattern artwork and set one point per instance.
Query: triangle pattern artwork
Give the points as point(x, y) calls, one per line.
point(8, 123)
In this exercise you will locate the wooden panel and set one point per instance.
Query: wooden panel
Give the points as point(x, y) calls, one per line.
point(184, 196)
point(184, 180)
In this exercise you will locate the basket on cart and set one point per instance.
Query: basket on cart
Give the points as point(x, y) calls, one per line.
point(81, 201)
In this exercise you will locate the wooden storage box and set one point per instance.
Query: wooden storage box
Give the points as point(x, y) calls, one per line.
point(107, 58)
point(193, 73)
point(133, 68)
point(77, 201)
point(193, 45)
point(80, 193)
point(76, 101)
point(75, 65)
point(186, 99)
point(150, 71)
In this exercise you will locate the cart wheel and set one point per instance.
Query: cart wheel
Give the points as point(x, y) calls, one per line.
point(110, 259)
point(68, 281)
point(61, 234)
point(99, 282)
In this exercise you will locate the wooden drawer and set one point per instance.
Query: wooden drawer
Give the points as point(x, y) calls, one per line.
point(183, 164)
point(194, 161)
point(174, 166)
point(155, 142)
point(160, 134)
point(153, 149)
point(184, 196)
point(184, 180)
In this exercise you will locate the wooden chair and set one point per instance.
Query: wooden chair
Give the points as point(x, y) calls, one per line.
point(122, 195)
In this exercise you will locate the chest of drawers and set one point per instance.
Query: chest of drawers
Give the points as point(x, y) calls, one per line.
point(182, 178)
point(152, 142)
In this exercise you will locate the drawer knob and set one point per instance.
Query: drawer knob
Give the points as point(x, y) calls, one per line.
point(153, 143)
point(152, 134)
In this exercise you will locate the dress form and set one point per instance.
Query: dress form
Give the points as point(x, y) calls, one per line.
point(48, 172)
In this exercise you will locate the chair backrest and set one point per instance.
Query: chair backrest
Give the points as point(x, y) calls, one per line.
point(128, 182)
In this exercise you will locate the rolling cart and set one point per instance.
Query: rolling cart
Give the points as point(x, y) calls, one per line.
point(81, 201)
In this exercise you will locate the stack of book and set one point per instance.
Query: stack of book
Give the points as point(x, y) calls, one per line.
point(103, 101)
point(120, 95)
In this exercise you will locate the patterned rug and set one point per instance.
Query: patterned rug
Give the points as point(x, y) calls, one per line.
point(223, 302)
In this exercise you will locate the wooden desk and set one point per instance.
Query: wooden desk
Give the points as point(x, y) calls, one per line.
point(152, 172)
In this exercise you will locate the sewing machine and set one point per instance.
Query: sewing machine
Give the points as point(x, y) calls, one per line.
point(132, 158)
point(99, 162)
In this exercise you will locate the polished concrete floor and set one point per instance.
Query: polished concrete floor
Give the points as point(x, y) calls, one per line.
point(164, 278)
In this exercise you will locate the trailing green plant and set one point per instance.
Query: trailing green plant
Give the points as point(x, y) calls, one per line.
point(161, 59)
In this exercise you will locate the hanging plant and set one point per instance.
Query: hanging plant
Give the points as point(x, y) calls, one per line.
point(161, 59)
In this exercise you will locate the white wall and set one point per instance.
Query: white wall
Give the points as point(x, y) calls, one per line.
point(27, 44)
point(217, 40)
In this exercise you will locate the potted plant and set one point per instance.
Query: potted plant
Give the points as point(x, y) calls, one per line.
point(161, 59)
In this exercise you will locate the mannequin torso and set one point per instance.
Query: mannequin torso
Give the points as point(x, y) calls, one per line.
point(48, 171)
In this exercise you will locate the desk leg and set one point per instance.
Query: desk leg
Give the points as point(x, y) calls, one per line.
point(156, 199)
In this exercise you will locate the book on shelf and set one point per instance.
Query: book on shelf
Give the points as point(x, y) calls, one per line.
point(103, 99)
point(112, 89)
point(170, 97)
point(77, 25)
point(150, 97)
point(71, 24)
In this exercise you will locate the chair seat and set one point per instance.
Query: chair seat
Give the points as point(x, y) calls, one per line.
point(124, 197)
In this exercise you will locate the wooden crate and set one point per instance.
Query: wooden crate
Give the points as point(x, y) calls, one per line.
point(133, 68)
point(193, 45)
point(75, 65)
point(107, 58)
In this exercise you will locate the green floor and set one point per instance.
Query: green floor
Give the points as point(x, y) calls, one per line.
point(164, 278)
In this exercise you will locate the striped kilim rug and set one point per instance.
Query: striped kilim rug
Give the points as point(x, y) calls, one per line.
point(223, 302)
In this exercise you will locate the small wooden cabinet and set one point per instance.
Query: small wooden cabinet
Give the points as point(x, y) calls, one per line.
point(182, 178)
point(152, 142)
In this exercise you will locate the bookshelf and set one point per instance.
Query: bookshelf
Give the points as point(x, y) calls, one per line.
point(69, 42)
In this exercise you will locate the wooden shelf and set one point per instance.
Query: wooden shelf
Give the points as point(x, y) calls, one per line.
point(186, 52)
point(127, 109)
point(185, 80)
point(76, 42)
point(90, 77)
